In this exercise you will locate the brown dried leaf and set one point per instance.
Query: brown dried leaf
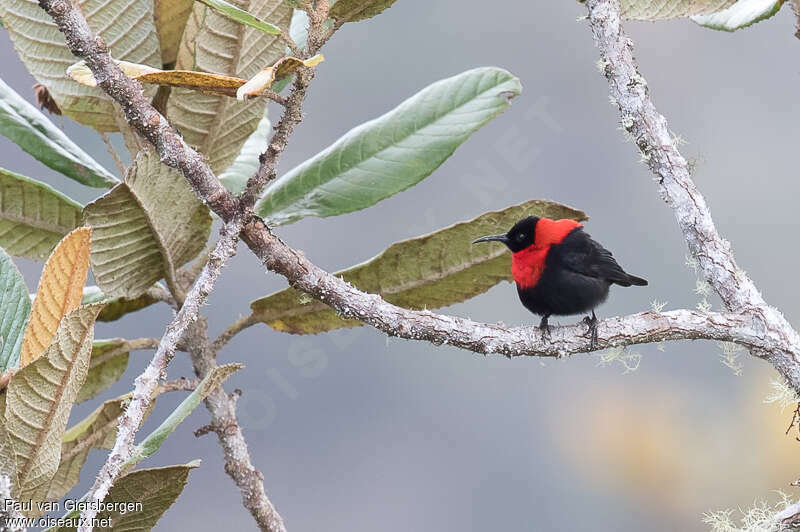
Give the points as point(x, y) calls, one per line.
point(60, 291)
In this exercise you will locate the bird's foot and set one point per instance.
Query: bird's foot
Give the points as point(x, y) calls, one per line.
point(591, 323)
point(544, 327)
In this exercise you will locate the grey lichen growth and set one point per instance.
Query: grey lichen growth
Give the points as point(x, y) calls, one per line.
point(782, 394)
point(761, 517)
point(630, 361)
point(730, 356)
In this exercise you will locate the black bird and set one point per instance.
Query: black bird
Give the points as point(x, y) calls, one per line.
point(559, 270)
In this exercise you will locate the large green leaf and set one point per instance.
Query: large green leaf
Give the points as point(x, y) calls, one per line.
point(354, 10)
point(665, 9)
point(246, 163)
point(40, 398)
point(740, 15)
point(430, 271)
point(34, 216)
point(393, 152)
point(126, 25)
point(145, 228)
point(15, 307)
point(153, 490)
point(96, 431)
point(32, 131)
point(215, 124)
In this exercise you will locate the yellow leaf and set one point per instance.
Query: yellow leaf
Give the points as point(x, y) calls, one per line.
point(60, 291)
point(281, 69)
point(199, 81)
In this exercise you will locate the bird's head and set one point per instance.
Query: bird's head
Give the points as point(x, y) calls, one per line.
point(519, 237)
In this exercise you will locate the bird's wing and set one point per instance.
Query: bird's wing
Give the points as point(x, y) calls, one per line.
point(579, 253)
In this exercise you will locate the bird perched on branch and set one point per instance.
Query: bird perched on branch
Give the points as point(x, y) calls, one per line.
point(559, 270)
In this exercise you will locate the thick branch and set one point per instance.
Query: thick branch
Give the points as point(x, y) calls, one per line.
point(653, 138)
point(146, 384)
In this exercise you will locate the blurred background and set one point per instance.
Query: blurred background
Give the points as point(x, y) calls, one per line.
point(354, 431)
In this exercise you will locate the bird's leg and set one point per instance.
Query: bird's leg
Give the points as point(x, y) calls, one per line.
point(592, 324)
point(544, 327)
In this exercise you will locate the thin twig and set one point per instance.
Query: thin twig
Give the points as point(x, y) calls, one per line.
point(235, 328)
point(113, 153)
point(178, 385)
point(238, 463)
point(293, 113)
point(147, 383)
point(293, 47)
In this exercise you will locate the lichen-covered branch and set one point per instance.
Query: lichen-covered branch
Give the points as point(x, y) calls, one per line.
point(146, 384)
point(650, 132)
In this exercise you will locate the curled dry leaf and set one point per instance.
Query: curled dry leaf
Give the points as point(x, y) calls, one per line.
point(280, 70)
point(60, 291)
point(205, 82)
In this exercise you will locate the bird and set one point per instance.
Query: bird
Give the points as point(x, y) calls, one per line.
point(560, 270)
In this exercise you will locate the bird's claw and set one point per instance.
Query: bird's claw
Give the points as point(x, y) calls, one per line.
point(545, 328)
point(591, 323)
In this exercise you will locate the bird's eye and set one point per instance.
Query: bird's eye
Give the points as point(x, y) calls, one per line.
point(520, 237)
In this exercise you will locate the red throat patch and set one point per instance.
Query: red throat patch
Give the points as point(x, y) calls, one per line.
point(528, 264)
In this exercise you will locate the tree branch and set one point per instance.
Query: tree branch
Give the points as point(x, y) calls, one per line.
point(750, 323)
point(649, 130)
point(146, 384)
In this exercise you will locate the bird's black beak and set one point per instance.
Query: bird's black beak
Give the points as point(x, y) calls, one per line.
point(492, 238)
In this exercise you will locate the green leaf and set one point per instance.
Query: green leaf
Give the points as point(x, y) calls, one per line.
point(97, 431)
point(154, 440)
point(40, 398)
point(108, 363)
point(217, 125)
point(430, 271)
point(117, 307)
point(246, 163)
point(666, 9)
point(126, 25)
point(32, 131)
point(242, 16)
point(354, 10)
point(34, 217)
point(145, 228)
point(15, 308)
point(393, 152)
point(153, 490)
point(740, 15)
